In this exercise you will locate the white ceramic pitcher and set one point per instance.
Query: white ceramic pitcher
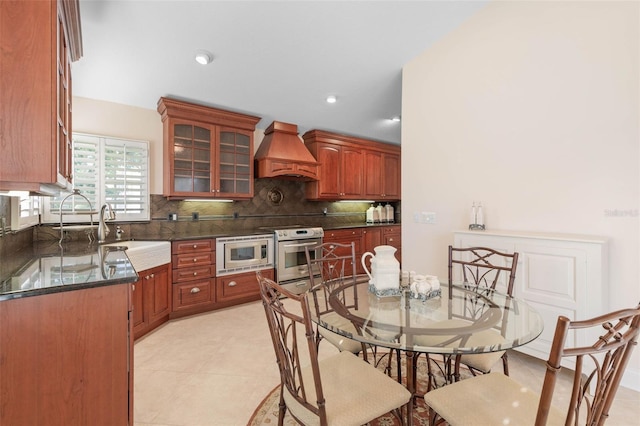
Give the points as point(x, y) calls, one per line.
point(385, 268)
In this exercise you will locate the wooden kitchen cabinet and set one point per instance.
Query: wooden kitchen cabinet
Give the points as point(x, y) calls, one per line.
point(352, 168)
point(208, 151)
point(193, 287)
point(38, 41)
point(382, 175)
point(340, 172)
point(67, 358)
point(389, 235)
point(239, 288)
point(151, 299)
point(392, 236)
point(346, 236)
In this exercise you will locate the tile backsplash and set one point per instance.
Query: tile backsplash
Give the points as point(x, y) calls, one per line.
point(277, 202)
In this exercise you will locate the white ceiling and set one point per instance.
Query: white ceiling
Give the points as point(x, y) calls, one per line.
point(278, 60)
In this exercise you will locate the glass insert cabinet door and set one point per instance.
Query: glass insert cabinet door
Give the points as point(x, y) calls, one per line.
point(192, 150)
point(235, 162)
point(212, 160)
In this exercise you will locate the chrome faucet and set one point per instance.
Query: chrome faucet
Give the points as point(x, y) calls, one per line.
point(103, 229)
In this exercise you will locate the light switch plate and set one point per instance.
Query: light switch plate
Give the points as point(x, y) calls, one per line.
point(428, 217)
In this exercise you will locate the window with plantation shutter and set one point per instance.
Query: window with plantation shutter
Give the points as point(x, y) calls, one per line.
point(105, 170)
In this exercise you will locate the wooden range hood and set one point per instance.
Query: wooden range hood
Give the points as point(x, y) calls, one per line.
point(282, 154)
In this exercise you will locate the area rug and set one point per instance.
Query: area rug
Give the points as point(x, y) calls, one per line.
point(267, 412)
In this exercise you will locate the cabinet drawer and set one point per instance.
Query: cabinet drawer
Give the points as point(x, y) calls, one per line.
point(391, 229)
point(193, 259)
point(192, 246)
point(393, 240)
point(342, 234)
point(240, 285)
point(193, 293)
point(190, 274)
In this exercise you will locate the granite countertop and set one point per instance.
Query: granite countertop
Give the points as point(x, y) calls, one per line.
point(239, 232)
point(46, 268)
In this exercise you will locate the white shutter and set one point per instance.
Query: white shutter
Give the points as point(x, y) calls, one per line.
point(126, 178)
point(105, 170)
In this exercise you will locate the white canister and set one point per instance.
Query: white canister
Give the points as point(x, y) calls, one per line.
point(388, 210)
point(380, 213)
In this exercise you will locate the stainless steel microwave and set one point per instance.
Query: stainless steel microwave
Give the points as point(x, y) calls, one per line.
point(240, 254)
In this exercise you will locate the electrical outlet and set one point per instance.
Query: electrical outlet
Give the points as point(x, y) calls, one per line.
point(195, 216)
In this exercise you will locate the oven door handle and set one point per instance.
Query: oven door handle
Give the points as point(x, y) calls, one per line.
point(300, 245)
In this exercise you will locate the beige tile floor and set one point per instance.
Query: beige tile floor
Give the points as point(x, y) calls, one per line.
point(215, 368)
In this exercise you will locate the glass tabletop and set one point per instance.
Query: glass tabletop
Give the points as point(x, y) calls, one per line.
point(467, 322)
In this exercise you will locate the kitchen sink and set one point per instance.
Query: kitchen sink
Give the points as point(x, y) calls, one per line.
point(144, 254)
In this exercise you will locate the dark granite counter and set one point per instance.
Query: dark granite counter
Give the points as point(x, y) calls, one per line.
point(186, 235)
point(47, 268)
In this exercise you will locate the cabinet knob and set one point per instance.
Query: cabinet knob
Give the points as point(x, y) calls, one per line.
point(195, 246)
point(195, 290)
point(390, 240)
point(146, 277)
point(233, 284)
point(133, 287)
point(153, 275)
point(195, 273)
point(195, 259)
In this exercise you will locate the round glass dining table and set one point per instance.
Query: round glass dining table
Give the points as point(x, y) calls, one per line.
point(461, 320)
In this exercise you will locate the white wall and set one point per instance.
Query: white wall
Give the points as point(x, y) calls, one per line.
point(123, 121)
point(531, 108)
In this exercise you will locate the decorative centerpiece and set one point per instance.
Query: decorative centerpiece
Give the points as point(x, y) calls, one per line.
point(384, 276)
point(425, 287)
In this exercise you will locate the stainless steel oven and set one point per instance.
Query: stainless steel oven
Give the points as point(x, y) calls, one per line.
point(235, 255)
point(291, 263)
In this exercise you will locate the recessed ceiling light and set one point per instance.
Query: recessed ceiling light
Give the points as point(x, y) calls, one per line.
point(331, 99)
point(203, 57)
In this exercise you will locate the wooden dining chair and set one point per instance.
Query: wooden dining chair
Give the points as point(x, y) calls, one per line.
point(330, 266)
point(482, 269)
point(496, 399)
point(339, 390)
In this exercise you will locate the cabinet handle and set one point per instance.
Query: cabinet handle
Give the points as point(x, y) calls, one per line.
point(195, 290)
point(233, 284)
point(146, 277)
point(133, 287)
point(153, 275)
point(390, 240)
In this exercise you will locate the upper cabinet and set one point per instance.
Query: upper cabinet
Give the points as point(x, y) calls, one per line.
point(382, 175)
point(352, 168)
point(208, 151)
point(38, 42)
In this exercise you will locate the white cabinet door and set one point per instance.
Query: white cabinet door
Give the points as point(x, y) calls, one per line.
point(557, 275)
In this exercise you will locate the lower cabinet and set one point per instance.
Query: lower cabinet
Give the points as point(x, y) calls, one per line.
point(194, 295)
point(391, 236)
point(194, 272)
point(346, 236)
point(151, 299)
point(239, 288)
point(67, 358)
point(556, 274)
